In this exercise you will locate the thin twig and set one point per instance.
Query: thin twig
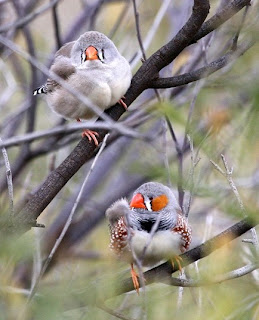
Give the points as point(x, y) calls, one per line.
point(9, 180)
point(191, 108)
point(67, 129)
point(144, 57)
point(56, 25)
point(237, 273)
point(14, 290)
point(112, 312)
point(228, 174)
point(171, 130)
point(165, 155)
point(179, 152)
point(194, 161)
point(150, 36)
point(203, 72)
point(68, 222)
point(234, 44)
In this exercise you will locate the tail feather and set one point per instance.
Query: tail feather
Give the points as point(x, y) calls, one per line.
point(40, 90)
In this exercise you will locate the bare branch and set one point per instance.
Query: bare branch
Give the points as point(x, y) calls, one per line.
point(144, 57)
point(150, 36)
point(228, 174)
point(237, 273)
point(202, 72)
point(234, 44)
point(220, 17)
point(69, 128)
point(194, 161)
point(56, 25)
point(9, 181)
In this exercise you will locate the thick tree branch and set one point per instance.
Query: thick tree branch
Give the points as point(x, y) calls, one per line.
point(202, 72)
point(165, 55)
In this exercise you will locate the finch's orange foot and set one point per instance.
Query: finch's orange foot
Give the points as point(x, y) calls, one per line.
point(178, 260)
point(91, 135)
point(134, 277)
point(122, 103)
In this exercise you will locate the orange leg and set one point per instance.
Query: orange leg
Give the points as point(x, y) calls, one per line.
point(134, 277)
point(121, 102)
point(91, 135)
point(178, 261)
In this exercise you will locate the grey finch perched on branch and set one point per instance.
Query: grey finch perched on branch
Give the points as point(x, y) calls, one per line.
point(92, 66)
point(152, 226)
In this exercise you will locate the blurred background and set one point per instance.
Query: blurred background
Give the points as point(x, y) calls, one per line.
point(216, 115)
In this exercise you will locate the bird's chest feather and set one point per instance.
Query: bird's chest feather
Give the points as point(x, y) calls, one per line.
point(163, 245)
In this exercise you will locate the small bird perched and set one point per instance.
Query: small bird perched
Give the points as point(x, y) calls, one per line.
point(93, 66)
point(152, 226)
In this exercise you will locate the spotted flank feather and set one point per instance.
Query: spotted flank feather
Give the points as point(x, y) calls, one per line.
point(40, 90)
point(185, 231)
point(119, 235)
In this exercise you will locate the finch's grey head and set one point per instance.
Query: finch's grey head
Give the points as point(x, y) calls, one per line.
point(93, 45)
point(153, 196)
point(153, 202)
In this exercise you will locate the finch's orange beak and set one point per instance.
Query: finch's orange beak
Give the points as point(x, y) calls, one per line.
point(91, 53)
point(138, 201)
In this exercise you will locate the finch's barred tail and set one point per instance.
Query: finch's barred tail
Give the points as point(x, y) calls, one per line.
point(40, 90)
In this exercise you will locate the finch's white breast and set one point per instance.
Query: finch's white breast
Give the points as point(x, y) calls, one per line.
point(164, 245)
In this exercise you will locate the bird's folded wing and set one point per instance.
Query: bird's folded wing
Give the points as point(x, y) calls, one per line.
point(62, 66)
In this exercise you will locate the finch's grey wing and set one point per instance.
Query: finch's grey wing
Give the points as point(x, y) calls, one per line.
point(61, 66)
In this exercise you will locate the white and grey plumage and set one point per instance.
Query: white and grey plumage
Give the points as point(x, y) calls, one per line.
point(93, 66)
point(153, 208)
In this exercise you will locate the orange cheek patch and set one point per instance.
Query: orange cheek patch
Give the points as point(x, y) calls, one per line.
point(159, 202)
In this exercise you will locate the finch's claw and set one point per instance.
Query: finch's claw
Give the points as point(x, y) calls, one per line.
point(91, 135)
